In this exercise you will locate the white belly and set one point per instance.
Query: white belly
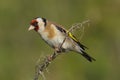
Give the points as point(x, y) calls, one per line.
point(57, 40)
point(53, 42)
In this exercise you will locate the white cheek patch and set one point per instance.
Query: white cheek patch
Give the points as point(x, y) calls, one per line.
point(40, 24)
point(39, 20)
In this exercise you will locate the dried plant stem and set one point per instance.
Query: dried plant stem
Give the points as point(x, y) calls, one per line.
point(40, 67)
point(78, 25)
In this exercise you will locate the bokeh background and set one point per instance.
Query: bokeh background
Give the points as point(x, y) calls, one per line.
point(20, 49)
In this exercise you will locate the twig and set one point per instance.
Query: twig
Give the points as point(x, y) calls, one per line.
point(78, 25)
point(41, 67)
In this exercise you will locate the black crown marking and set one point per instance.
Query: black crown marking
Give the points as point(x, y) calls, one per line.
point(45, 21)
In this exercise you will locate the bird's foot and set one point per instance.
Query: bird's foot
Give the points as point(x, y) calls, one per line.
point(58, 50)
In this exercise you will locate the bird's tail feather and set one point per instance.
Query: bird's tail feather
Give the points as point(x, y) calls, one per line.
point(88, 57)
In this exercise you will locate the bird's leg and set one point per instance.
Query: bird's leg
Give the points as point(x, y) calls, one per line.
point(57, 51)
point(45, 63)
point(53, 56)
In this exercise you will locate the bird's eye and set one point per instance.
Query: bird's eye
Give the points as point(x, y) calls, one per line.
point(34, 23)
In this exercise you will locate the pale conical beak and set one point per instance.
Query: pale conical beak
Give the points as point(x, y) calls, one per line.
point(31, 28)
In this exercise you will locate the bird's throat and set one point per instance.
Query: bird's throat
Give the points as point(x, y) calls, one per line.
point(36, 28)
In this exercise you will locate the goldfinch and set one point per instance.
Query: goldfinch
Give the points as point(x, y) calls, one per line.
point(55, 35)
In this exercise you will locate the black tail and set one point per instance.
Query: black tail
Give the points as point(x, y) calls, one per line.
point(89, 58)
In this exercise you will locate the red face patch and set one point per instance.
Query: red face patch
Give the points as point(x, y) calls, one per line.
point(35, 24)
point(36, 28)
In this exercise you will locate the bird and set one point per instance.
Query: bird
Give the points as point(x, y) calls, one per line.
point(57, 37)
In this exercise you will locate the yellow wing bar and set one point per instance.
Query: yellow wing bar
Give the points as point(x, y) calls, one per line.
point(72, 36)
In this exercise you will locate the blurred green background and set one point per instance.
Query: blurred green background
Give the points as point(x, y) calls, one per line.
point(20, 49)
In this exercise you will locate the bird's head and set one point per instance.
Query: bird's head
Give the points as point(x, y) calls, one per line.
point(37, 24)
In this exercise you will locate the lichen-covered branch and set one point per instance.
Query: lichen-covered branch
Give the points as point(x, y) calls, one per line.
point(42, 66)
point(45, 63)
